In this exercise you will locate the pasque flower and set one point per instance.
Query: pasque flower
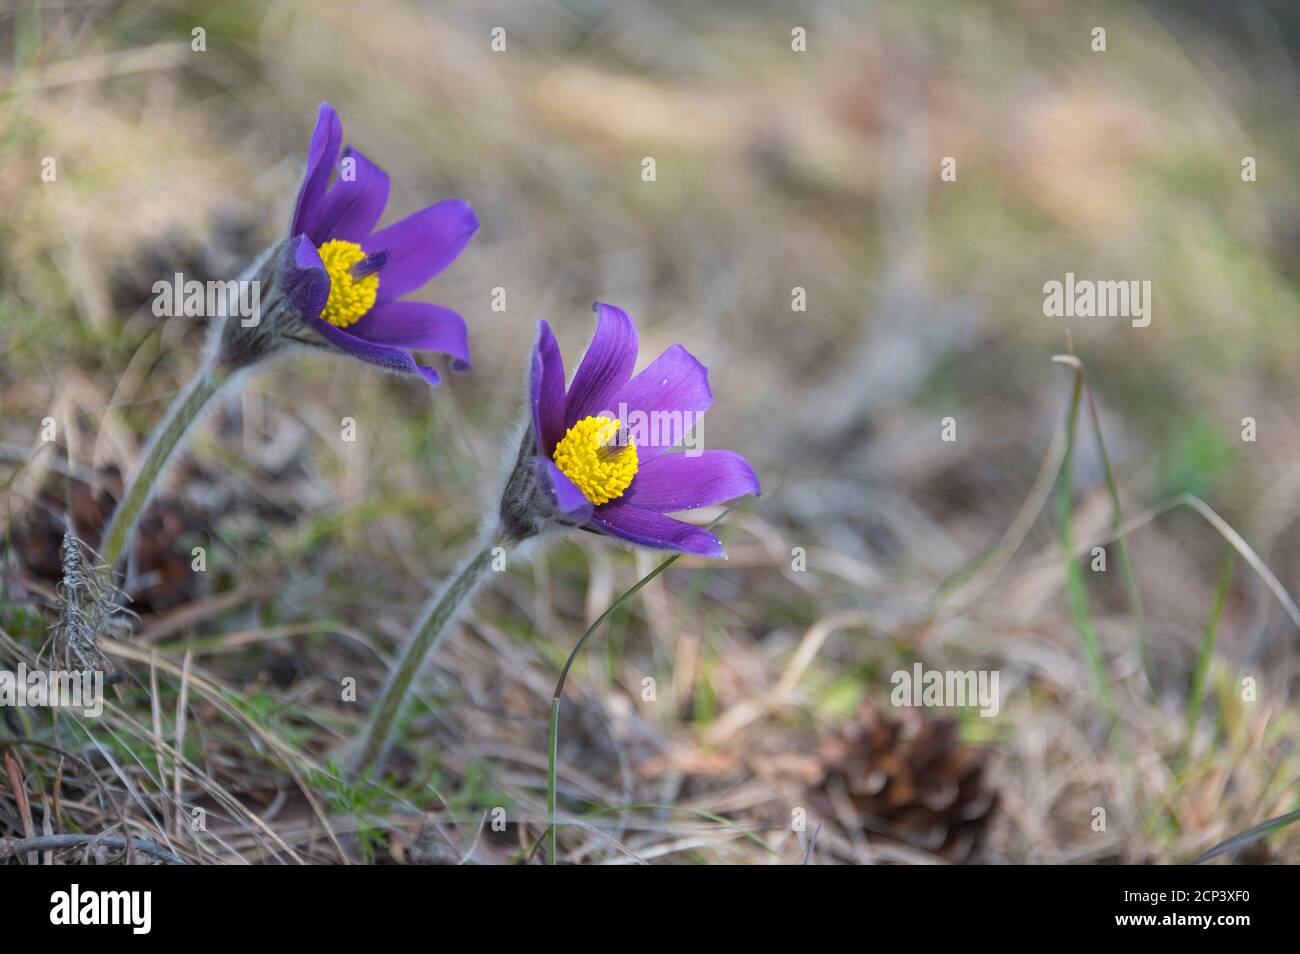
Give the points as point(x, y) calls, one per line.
point(334, 282)
point(351, 279)
point(587, 460)
point(617, 475)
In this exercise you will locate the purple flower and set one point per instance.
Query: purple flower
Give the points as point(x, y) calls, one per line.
point(347, 280)
point(602, 447)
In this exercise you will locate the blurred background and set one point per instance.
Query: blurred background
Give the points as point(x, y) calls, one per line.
point(877, 544)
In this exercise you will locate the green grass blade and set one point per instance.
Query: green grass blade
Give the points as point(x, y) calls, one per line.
point(1076, 588)
point(552, 740)
point(1197, 690)
point(564, 675)
point(1126, 570)
point(1249, 836)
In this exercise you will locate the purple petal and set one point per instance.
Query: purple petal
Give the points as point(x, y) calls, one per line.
point(675, 482)
point(325, 142)
point(302, 277)
point(393, 359)
point(606, 366)
point(546, 385)
point(650, 529)
point(670, 395)
point(571, 504)
point(421, 245)
point(416, 324)
point(352, 207)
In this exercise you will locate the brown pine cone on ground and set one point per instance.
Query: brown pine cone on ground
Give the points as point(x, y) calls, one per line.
point(909, 780)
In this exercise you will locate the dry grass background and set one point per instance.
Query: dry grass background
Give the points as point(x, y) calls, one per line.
point(775, 170)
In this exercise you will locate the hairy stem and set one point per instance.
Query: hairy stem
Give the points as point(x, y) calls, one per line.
point(233, 344)
point(428, 635)
point(184, 411)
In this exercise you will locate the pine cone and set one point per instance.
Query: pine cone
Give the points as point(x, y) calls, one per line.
point(910, 780)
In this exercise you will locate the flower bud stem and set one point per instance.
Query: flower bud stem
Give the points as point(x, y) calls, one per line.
point(233, 345)
point(184, 411)
point(438, 616)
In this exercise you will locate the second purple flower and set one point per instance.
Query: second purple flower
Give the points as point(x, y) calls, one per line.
point(349, 280)
point(602, 446)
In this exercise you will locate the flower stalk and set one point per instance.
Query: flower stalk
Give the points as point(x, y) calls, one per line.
point(233, 345)
point(184, 411)
point(570, 472)
point(429, 633)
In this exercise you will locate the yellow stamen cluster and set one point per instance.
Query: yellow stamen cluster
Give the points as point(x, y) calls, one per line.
point(350, 297)
point(591, 456)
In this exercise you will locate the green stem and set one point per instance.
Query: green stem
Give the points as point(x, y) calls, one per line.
point(550, 780)
point(184, 411)
point(1201, 674)
point(564, 675)
point(551, 857)
point(1121, 546)
point(428, 635)
point(1076, 588)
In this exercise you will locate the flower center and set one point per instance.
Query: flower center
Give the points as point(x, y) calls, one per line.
point(350, 297)
point(592, 456)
